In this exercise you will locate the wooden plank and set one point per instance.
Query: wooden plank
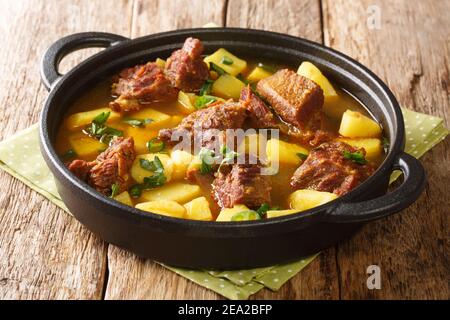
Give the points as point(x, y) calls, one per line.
point(158, 16)
point(129, 276)
point(410, 52)
point(298, 18)
point(44, 253)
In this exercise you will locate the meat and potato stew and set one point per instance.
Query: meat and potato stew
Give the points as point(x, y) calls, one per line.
point(220, 137)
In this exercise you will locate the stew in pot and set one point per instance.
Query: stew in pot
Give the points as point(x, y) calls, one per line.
point(220, 137)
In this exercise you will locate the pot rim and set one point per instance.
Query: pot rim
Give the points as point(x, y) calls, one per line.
point(127, 212)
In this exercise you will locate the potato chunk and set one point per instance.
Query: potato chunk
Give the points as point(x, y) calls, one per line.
point(284, 152)
point(310, 71)
point(198, 209)
point(186, 102)
point(280, 213)
point(227, 213)
point(124, 198)
point(81, 119)
point(227, 61)
point(373, 146)
point(141, 136)
point(301, 200)
point(356, 125)
point(257, 74)
point(158, 119)
point(181, 160)
point(138, 173)
point(163, 207)
point(176, 191)
point(228, 87)
point(85, 146)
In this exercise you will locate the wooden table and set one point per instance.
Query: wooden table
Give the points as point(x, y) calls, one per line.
point(46, 254)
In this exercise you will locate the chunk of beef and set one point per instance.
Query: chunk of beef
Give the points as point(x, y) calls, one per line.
point(259, 113)
point(242, 184)
point(296, 99)
point(185, 68)
point(261, 116)
point(81, 168)
point(142, 83)
point(326, 169)
point(204, 181)
point(208, 126)
point(111, 166)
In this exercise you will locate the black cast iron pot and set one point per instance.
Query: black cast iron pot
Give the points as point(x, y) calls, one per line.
point(228, 245)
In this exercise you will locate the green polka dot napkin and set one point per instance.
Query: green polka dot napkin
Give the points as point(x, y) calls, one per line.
point(20, 156)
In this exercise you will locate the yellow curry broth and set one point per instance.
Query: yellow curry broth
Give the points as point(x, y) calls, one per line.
point(100, 96)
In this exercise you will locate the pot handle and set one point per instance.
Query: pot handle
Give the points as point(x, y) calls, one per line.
point(62, 47)
point(395, 201)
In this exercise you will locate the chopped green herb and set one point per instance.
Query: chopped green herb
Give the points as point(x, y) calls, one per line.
point(246, 215)
point(207, 160)
point(147, 165)
point(158, 178)
point(98, 130)
point(216, 68)
point(227, 60)
point(203, 101)
point(155, 145)
point(262, 210)
point(242, 78)
point(155, 180)
point(267, 67)
point(137, 122)
point(228, 156)
point(135, 191)
point(101, 118)
point(70, 154)
point(302, 156)
point(108, 134)
point(114, 190)
point(206, 87)
point(356, 157)
point(158, 164)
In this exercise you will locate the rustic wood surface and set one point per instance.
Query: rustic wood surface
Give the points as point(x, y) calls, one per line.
point(46, 254)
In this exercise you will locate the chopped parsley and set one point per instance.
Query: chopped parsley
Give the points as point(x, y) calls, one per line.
point(147, 165)
point(203, 101)
point(157, 178)
point(137, 122)
point(227, 61)
point(242, 78)
point(114, 190)
point(101, 118)
point(206, 157)
point(206, 87)
point(263, 209)
point(246, 215)
point(356, 157)
point(216, 68)
point(228, 156)
point(155, 145)
point(97, 129)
